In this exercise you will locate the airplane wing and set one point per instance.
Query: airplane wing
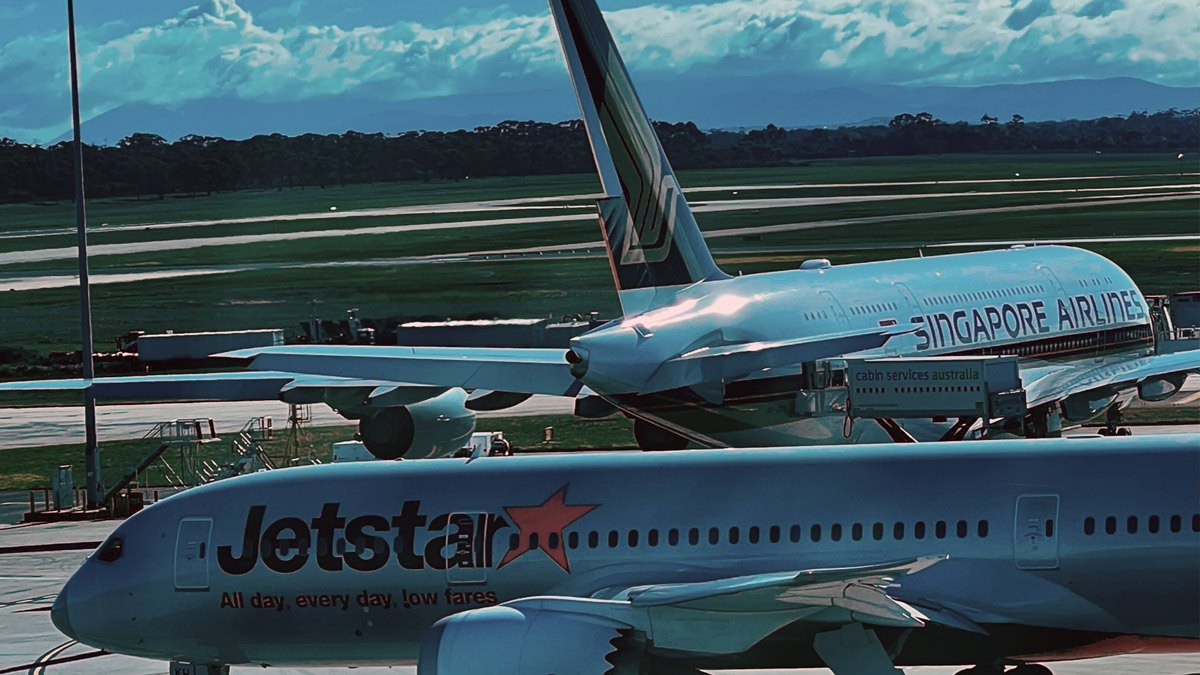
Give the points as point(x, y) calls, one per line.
point(230, 386)
point(529, 371)
point(713, 364)
point(731, 615)
point(849, 594)
point(1100, 378)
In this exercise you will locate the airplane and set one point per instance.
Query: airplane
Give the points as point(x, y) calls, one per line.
point(861, 559)
point(703, 358)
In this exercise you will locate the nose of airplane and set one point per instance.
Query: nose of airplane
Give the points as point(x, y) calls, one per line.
point(59, 614)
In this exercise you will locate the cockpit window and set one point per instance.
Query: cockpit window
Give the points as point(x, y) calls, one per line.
point(111, 549)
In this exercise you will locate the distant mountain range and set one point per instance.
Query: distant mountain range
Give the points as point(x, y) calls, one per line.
point(749, 102)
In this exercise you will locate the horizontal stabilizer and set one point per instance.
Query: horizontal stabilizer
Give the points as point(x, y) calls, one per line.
point(529, 371)
point(729, 362)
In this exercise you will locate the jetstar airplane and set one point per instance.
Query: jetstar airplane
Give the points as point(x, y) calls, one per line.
point(753, 360)
point(858, 559)
point(702, 357)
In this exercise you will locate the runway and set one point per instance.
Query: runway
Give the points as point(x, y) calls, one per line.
point(189, 243)
point(53, 425)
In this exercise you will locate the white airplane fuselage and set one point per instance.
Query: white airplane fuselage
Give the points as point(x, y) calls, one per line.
point(1054, 546)
point(1038, 303)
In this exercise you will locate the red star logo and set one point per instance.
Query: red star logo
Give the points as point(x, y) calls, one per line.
point(548, 519)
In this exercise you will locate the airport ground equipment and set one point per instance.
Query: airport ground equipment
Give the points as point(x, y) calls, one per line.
point(972, 389)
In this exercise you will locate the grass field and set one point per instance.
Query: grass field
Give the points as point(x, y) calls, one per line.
point(30, 468)
point(278, 290)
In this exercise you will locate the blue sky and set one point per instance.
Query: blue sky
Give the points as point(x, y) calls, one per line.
point(171, 51)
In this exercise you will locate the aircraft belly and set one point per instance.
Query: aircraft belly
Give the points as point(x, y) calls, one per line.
point(774, 423)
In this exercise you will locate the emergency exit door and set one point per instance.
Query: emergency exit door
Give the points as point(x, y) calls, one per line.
point(192, 554)
point(1035, 539)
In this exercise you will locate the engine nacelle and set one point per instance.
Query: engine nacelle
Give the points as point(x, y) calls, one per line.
point(436, 427)
point(1161, 388)
point(513, 641)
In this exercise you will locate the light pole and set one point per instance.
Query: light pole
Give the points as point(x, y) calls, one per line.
point(92, 449)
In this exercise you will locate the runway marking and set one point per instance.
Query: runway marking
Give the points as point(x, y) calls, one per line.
point(38, 667)
point(44, 548)
point(1188, 399)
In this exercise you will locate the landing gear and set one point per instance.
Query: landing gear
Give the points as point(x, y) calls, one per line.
point(1112, 427)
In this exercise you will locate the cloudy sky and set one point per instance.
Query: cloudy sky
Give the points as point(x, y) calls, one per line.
point(172, 51)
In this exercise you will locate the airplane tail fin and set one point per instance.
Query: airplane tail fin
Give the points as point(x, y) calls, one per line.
point(652, 238)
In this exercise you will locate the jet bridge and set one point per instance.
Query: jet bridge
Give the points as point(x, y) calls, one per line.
point(970, 388)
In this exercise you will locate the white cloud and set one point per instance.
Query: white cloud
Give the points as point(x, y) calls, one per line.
point(216, 49)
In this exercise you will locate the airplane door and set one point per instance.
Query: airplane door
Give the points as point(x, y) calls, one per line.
point(466, 548)
point(1035, 539)
point(192, 553)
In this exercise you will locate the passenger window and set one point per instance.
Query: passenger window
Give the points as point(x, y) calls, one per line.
point(614, 538)
point(1089, 525)
point(514, 541)
point(1049, 528)
point(1196, 523)
point(633, 538)
point(714, 535)
point(982, 529)
point(652, 537)
point(939, 530)
point(754, 534)
point(533, 541)
point(856, 531)
point(694, 536)
point(593, 539)
point(673, 537)
point(573, 540)
point(1176, 523)
point(733, 535)
point(1110, 525)
point(835, 532)
point(898, 531)
point(1131, 524)
point(552, 541)
point(795, 533)
point(919, 529)
point(877, 531)
point(815, 533)
point(961, 529)
point(774, 534)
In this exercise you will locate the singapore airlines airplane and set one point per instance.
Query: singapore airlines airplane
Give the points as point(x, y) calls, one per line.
point(702, 357)
point(858, 559)
point(753, 360)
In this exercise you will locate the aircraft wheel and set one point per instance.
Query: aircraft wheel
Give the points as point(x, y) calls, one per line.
point(1030, 669)
point(1124, 431)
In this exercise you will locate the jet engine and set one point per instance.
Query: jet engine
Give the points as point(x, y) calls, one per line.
point(515, 641)
point(435, 427)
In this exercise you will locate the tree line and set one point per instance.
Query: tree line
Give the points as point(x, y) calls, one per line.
point(147, 165)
